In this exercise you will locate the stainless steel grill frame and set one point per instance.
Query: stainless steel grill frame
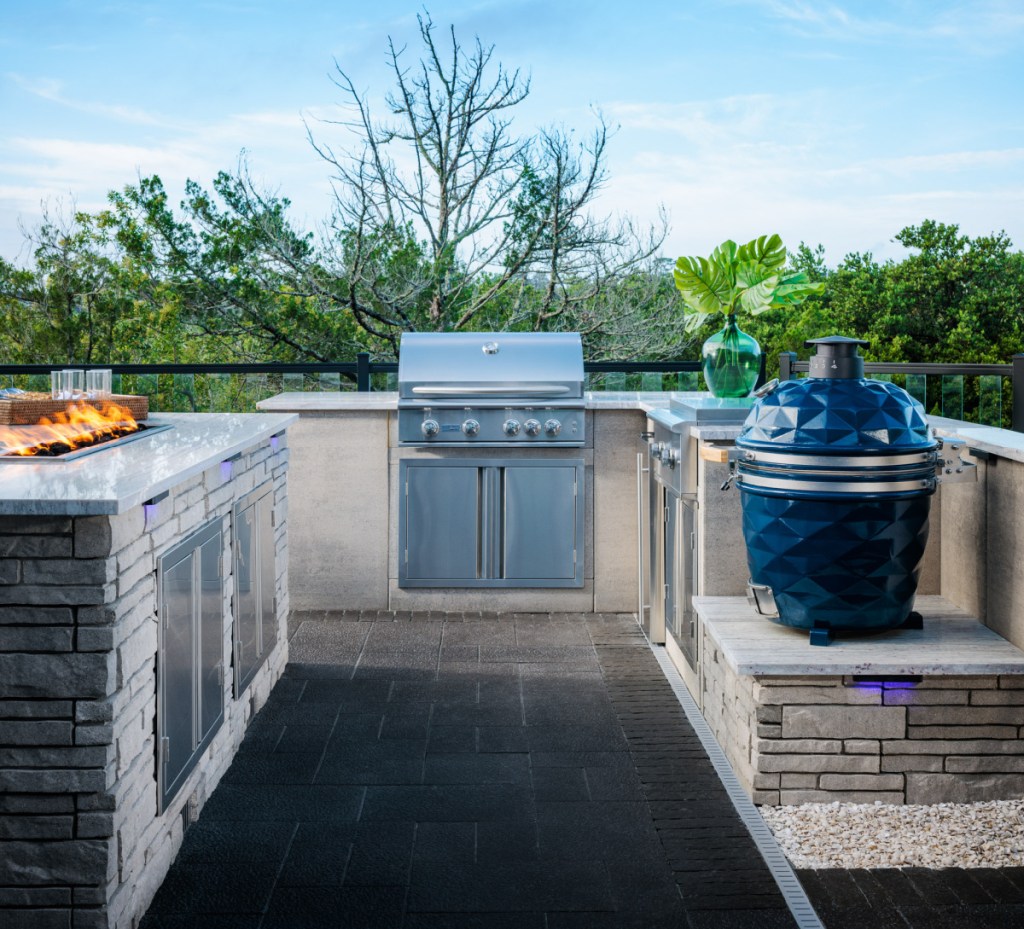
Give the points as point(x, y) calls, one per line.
point(494, 522)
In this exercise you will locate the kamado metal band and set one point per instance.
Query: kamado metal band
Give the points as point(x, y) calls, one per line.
point(892, 474)
point(745, 479)
point(841, 461)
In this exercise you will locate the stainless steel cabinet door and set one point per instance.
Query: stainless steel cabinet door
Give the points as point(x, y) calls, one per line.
point(441, 529)
point(539, 515)
point(670, 547)
point(190, 656)
point(686, 563)
point(177, 670)
point(255, 572)
point(509, 522)
point(247, 597)
point(268, 574)
point(211, 635)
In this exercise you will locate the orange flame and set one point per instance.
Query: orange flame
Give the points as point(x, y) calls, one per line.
point(80, 425)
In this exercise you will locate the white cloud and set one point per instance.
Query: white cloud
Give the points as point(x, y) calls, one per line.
point(982, 27)
point(706, 212)
point(53, 91)
point(914, 166)
point(61, 168)
point(744, 166)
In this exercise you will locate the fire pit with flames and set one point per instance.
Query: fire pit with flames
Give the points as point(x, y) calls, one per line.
point(79, 429)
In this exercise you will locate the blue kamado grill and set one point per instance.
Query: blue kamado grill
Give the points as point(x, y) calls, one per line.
point(836, 474)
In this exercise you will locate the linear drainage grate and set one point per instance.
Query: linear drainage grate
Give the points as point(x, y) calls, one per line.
point(789, 886)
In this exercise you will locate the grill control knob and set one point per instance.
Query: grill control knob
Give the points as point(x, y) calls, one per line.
point(430, 428)
point(670, 456)
point(656, 449)
point(552, 427)
point(471, 427)
point(532, 427)
point(511, 427)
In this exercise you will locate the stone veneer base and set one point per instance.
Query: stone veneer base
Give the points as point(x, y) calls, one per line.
point(861, 738)
point(81, 842)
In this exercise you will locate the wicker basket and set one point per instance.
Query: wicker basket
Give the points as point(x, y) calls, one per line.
point(28, 408)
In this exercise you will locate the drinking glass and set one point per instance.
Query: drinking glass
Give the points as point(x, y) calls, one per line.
point(97, 383)
point(55, 385)
point(72, 384)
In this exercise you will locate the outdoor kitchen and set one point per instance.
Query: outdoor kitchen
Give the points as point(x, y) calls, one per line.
point(150, 564)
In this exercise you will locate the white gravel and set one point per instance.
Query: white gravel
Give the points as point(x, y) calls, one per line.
point(860, 835)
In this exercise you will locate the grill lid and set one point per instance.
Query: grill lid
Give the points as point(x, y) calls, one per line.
point(471, 365)
point(836, 410)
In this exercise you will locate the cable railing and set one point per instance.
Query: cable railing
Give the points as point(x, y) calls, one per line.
point(990, 394)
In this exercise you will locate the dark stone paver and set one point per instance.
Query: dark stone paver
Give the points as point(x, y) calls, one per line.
point(450, 771)
point(420, 771)
point(919, 898)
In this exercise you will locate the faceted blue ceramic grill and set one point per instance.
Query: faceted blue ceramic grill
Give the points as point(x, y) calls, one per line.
point(836, 475)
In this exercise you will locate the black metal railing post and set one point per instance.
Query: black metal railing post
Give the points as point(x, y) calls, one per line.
point(363, 371)
point(1017, 378)
point(762, 372)
point(786, 362)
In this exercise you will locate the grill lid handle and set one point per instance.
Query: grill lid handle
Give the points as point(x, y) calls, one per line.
point(470, 390)
point(836, 357)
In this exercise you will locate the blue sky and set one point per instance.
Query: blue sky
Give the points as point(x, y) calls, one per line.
point(834, 123)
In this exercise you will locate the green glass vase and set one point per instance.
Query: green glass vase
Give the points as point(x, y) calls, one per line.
point(732, 360)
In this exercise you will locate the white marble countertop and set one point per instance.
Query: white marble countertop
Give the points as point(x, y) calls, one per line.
point(330, 401)
point(1002, 442)
point(951, 642)
point(716, 432)
point(115, 479)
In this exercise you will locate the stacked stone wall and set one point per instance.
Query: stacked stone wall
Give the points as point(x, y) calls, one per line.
point(826, 738)
point(81, 842)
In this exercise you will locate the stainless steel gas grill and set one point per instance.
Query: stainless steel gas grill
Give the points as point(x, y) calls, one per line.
point(513, 520)
point(490, 389)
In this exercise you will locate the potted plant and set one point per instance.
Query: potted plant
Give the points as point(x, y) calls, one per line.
point(735, 277)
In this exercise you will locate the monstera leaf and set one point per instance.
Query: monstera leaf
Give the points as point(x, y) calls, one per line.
point(734, 277)
point(755, 285)
point(725, 258)
point(766, 250)
point(794, 289)
point(704, 284)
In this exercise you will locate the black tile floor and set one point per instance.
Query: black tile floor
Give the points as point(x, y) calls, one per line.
point(450, 771)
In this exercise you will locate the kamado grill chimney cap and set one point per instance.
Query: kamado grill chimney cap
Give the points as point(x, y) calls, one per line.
point(836, 357)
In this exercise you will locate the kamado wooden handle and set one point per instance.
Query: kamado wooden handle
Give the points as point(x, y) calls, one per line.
point(719, 454)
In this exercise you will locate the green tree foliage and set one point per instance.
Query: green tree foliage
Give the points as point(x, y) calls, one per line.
point(244, 279)
point(951, 299)
point(83, 300)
